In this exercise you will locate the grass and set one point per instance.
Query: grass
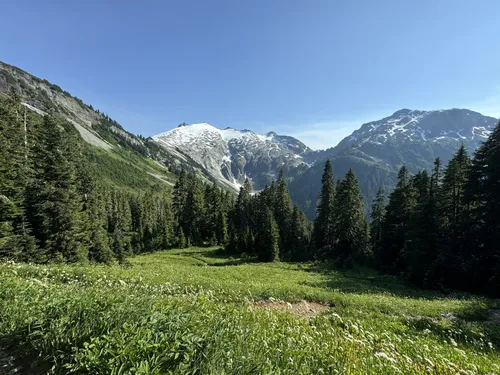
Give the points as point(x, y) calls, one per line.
point(194, 311)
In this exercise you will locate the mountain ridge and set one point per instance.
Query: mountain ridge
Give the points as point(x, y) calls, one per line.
point(232, 155)
point(375, 151)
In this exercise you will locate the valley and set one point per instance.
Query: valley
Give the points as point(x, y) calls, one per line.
point(203, 250)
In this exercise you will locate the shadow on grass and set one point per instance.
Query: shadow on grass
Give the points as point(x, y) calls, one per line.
point(217, 257)
point(13, 360)
point(472, 327)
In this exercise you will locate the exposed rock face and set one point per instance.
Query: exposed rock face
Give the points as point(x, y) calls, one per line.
point(231, 155)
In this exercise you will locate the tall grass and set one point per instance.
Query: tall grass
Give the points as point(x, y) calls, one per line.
point(186, 312)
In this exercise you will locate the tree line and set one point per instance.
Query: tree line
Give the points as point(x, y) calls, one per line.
point(439, 229)
point(52, 208)
point(442, 230)
point(268, 225)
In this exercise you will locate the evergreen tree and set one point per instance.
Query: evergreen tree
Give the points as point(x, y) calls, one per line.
point(323, 224)
point(193, 213)
point(377, 221)
point(53, 199)
point(16, 241)
point(482, 252)
point(402, 202)
point(449, 267)
point(242, 239)
point(221, 230)
point(179, 198)
point(267, 237)
point(300, 236)
point(283, 208)
point(424, 227)
point(99, 250)
point(350, 230)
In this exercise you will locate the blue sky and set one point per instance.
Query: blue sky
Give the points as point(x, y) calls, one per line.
point(314, 69)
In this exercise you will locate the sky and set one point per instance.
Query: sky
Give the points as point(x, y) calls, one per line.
point(314, 69)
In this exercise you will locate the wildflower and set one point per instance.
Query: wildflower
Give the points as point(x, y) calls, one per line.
point(385, 356)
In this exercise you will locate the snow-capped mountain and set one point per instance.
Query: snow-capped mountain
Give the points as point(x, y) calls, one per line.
point(461, 125)
point(229, 155)
point(378, 149)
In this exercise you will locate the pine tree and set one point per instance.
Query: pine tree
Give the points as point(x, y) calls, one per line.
point(323, 224)
point(300, 236)
point(193, 214)
point(241, 241)
point(182, 242)
point(482, 252)
point(450, 262)
point(283, 207)
point(267, 237)
point(401, 204)
point(16, 241)
point(179, 198)
point(422, 237)
point(54, 204)
point(99, 249)
point(350, 228)
point(377, 220)
point(221, 230)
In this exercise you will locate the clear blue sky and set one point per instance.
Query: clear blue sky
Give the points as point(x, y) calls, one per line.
point(314, 69)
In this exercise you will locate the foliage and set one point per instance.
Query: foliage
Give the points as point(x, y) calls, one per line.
point(166, 314)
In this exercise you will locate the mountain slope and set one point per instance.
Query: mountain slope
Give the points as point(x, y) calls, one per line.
point(230, 156)
point(118, 156)
point(378, 149)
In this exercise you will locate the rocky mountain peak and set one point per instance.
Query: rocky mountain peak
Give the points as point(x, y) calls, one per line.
point(230, 156)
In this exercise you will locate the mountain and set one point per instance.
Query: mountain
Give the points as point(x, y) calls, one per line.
point(230, 156)
point(378, 149)
point(375, 151)
point(119, 156)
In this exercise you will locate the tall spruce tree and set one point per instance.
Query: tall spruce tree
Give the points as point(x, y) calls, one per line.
point(482, 252)
point(16, 241)
point(53, 198)
point(377, 220)
point(267, 236)
point(424, 227)
point(99, 249)
point(300, 236)
point(323, 223)
point(401, 204)
point(283, 208)
point(242, 239)
point(449, 264)
point(350, 229)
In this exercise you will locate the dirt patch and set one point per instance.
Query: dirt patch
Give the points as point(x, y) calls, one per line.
point(302, 309)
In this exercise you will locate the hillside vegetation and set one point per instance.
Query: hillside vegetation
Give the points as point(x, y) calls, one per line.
point(196, 311)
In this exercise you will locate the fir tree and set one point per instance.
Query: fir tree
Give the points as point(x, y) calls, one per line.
point(482, 252)
point(283, 207)
point(53, 199)
point(401, 204)
point(300, 236)
point(268, 238)
point(350, 228)
point(424, 226)
point(323, 224)
point(377, 220)
point(15, 234)
point(450, 261)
